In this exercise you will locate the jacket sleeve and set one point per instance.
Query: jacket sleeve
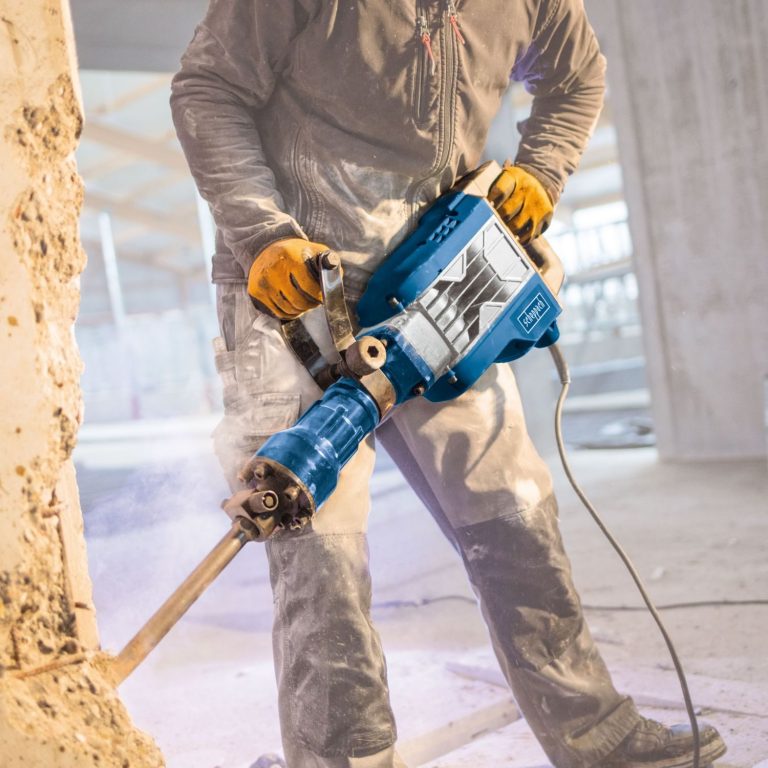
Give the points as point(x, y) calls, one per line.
point(565, 71)
point(227, 73)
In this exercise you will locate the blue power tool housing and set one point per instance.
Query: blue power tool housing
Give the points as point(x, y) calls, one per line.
point(458, 295)
point(470, 280)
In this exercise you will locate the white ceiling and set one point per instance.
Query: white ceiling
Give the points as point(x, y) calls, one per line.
point(134, 35)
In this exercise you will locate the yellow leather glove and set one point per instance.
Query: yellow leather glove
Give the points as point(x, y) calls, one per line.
point(522, 202)
point(281, 280)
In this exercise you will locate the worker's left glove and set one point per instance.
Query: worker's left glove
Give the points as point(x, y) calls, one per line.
point(522, 202)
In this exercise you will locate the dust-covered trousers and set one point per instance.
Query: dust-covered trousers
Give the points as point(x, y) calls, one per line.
point(474, 467)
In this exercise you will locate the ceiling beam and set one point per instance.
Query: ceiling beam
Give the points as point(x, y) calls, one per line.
point(599, 157)
point(127, 98)
point(104, 167)
point(151, 151)
point(175, 226)
point(568, 205)
point(157, 259)
point(149, 188)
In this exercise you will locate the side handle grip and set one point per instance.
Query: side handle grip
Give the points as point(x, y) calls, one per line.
point(547, 262)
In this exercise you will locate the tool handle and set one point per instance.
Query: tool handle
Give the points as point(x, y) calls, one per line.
point(169, 613)
point(547, 262)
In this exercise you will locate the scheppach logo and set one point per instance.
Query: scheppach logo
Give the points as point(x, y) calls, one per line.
point(529, 318)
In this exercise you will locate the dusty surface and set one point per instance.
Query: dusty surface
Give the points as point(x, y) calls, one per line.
point(697, 532)
point(67, 717)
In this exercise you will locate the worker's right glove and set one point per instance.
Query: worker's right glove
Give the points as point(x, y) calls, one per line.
point(283, 280)
point(522, 202)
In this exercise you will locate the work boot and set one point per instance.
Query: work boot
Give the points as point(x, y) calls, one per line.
point(653, 745)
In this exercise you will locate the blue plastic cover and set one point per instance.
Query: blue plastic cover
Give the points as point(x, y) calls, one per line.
point(447, 227)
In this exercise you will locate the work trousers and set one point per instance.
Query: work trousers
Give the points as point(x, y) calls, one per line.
point(474, 467)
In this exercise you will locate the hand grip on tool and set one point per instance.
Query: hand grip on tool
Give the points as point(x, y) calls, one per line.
point(521, 201)
point(282, 280)
point(481, 182)
point(547, 262)
point(288, 503)
point(352, 357)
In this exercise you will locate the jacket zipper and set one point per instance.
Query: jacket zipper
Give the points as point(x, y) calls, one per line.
point(425, 52)
point(453, 17)
point(448, 100)
point(426, 41)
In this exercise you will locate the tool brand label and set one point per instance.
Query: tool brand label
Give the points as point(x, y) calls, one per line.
point(530, 316)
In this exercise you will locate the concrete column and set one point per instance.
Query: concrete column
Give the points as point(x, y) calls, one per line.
point(56, 710)
point(689, 89)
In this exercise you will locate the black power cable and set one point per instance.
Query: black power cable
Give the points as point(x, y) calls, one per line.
point(565, 381)
point(679, 606)
point(425, 601)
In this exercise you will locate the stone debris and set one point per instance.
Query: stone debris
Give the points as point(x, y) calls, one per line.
point(70, 717)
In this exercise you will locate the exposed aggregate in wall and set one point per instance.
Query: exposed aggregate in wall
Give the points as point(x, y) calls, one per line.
point(56, 708)
point(43, 228)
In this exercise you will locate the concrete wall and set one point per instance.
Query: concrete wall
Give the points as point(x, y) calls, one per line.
point(689, 88)
point(56, 710)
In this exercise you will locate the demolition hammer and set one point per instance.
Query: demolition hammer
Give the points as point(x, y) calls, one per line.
point(458, 295)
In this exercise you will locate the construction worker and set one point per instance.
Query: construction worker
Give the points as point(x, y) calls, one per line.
point(312, 124)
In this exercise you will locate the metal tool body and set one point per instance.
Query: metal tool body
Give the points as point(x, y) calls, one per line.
point(459, 294)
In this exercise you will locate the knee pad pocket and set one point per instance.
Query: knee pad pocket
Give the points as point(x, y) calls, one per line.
point(522, 575)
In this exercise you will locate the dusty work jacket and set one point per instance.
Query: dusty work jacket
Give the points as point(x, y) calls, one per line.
point(339, 120)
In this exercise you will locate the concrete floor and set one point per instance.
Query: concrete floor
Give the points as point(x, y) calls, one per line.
point(696, 533)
